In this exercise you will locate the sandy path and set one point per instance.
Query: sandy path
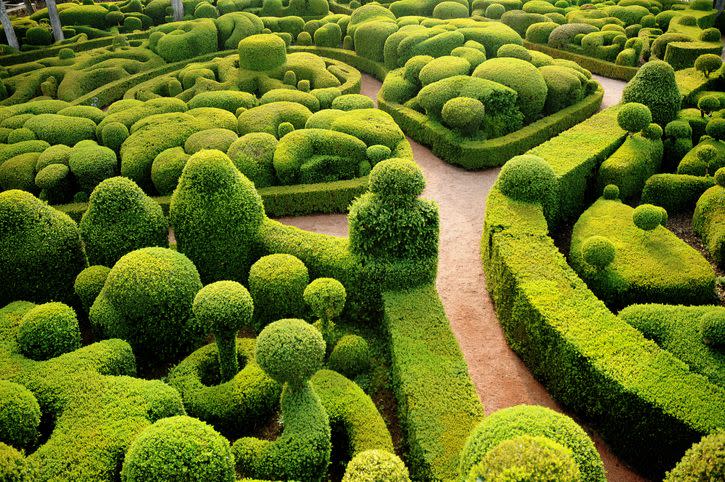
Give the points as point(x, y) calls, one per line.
point(500, 377)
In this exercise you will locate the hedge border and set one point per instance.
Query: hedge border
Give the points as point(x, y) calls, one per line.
point(595, 66)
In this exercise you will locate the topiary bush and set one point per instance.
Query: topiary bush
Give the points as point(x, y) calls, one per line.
point(253, 155)
point(463, 114)
point(19, 417)
point(716, 128)
point(89, 283)
point(167, 169)
point(48, 331)
point(708, 63)
point(598, 251)
point(179, 445)
point(529, 178)
point(326, 299)
point(277, 283)
point(704, 461)
point(633, 117)
point(376, 466)
point(92, 164)
point(654, 86)
point(262, 52)
point(120, 218)
point(113, 134)
point(14, 467)
point(611, 191)
point(61, 129)
point(217, 138)
point(707, 104)
point(647, 217)
point(351, 356)
point(713, 329)
point(55, 182)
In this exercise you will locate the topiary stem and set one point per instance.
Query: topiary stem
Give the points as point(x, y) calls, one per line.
point(227, 350)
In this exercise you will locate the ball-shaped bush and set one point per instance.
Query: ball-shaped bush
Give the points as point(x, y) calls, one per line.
point(223, 306)
point(708, 104)
point(713, 328)
point(92, 164)
point(396, 178)
point(654, 86)
point(527, 178)
point(633, 117)
point(494, 11)
point(262, 52)
point(710, 35)
point(284, 128)
point(21, 135)
point(514, 51)
point(598, 251)
point(325, 297)
point(38, 36)
point(66, 53)
point(167, 169)
point(708, 63)
point(704, 461)
point(290, 351)
point(253, 154)
point(205, 10)
point(376, 466)
point(113, 134)
point(89, 283)
point(179, 448)
point(48, 331)
point(14, 467)
point(19, 415)
point(131, 24)
point(277, 283)
point(647, 217)
point(678, 129)
point(527, 458)
point(720, 177)
point(350, 356)
point(377, 153)
point(653, 132)
point(611, 192)
point(716, 128)
point(463, 114)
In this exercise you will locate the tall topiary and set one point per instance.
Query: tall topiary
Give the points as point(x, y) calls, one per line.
point(40, 250)
point(326, 299)
point(654, 86)
point(224, 308)
point(216, 213)
point(277, 283)
point(120, 218)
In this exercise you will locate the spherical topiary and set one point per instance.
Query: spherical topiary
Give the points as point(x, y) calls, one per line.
point(708, 63)
point(57, 154)
point(325, 297)
point(654, 86)
point(494, 11)
point(179, 448)
point(678, 129)
point(284, 128)
point(463, 114)
point(706, 154)
point(652, 132)
point(253, 154)
point(38, 36)
point(277, 283)
point(611, 191)
point(14, 467)
point(528, 178)
point(377, 153)
point(598, 251)
point(633, 117)
point(350, 356)
point(66, 53)
point(533, 459)
point(19, 415)
point(713, 328)
point(48, 331)
point(290, 351)
point(708, 103)
point(647, 217)
point(113, 134)
point(131, 24)
point(534, 421)
point(262, 52)
point(397, 178)
point(223, 308)
point(704, 461)
point(716, 128)
point(664, 217)
point(514, 51)
point(92, 164)
point(55, 182)
point(89, 283)
point(376, 466)
point(167, 169)
point(304, 38)
point(720, 177)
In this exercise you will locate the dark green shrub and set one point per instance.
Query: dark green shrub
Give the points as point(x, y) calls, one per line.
point(216, 213)
point(329, 35)
point(708, 63)
point(633, 117)
point(184, 40)
point(520, 76)
point(351, 356)
point(529, 178)
point(376, 466)
point(131, 24)
point(704, 461)
point(48, 331)
point(19, 417)
point(38, 36)
point(720, 177)
point(290, 351)
point(205, 10)
point(713, 329)
point(304, 38)
point(18, 172)
point(654, 86)
point(647, 217)
point(598, 251)
point(716, 128)
point(92, 164)
point(253, 154)
point(326, 298)
point(14, 467)
point(710, 35)
point(120, 218)
point(89, 283)
point(167, 169)
point(40, 250)
point(262, 52)
point(277, 283)
point(463, 114)
point(224, 308)
point(179, 445)
point(113, 134)
point(611, 191)
point(55, 182)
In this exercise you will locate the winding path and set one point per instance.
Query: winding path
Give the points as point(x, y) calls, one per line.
point(500, 377)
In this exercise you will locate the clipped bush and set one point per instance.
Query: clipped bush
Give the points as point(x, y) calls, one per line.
point(14, 467)
point(529, 178)
point(463, 114)
point(61, 129)
point(633, 117)
point(708, 63)
point(89, 283)
point(713, 329)
point(55, 182)
point(290, 351)
point(704, 461)
point(19, 417)
point(520, 76)
point(262, 52)
point(167, 169)
point(21, 135)
point(277, 283)
point(352, 101)
point(494, 11)
point(716, 128)
point(113, 134)
point(351, 356)
point(219, 139)
point(647, 217)
point(48, 331)
point(611, 191)
point(92, 164)
point(654, 86)
point(253, 154)
point(376, 466)
point(598, 251)
point(708, 103)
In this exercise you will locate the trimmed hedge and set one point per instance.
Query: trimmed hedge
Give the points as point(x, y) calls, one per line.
point(595, 66)
point(708, 221)
point(675, 192)
point(630, 166)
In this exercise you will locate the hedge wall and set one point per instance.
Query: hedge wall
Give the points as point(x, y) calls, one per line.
point(595, 66)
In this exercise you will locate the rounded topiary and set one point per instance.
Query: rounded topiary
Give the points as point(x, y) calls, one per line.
point(120, 218)
point(167, 169)
point(396, 178)
point(704, 461)
point(633, 117)
point(647, 217)
point(66, 53)
point(304, 38)
point(678, 129)
point(534, 459)
point(349, 102)
point(131, 24)
point(224, 308)
point(48, 331)
point(262, 52)
point(177, 448)
point(216, 138)
point(38, 36)
point(92, 164)
point(376, 466)
point(708, 103)
point(14, 467)
point(654, 86)
point(720, 177)
point(57, 154)
point(708, 63)
point(598, 251)
point(350, 356)
point(494, 11)
point(290, 351)
point(377, 153)
point(713, 328)
point(514, 51)
point(653, 131)
point(21, 135)
point(716, 128)
point(284, 128)
point(113, 134)
point(463, 114)
point(277, 283)
point(253, 154)
point(55, 182)
point(664, 217)
point(89, 283)
point(528, 178)
point(205, 10)
point(521, 76)
point(326, 299)
point(611, 192)
point(19, 416)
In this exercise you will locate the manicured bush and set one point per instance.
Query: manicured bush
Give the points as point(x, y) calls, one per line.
point(262, 52)
point(120, 218)
point(350, 356)
point(185, 40)
point(55, 183)
point(352, 102)
point(219, 139)
point(708, 220)
point(179, 445)
point(326, 298)
point(230, 100)
point(277, 283)
point(463, 114)
point(708, 103)
point(495, 10)
point(223, 308)
point(647, 217)
point(167, 169)
point(253, 154)
point(652, 132)
point(633, 117)
point(19, 417)
point(376, 466)
point(290, 351)
point(58, 154)
point(89, 283)
point(708, 63)
point(267, 118)
point(654, 86)
point(522, 77)
point(716, 128)
point(61, 129)
point(531, 179)
point(611, 191)
point(48, 331)
point(329, 35)
point(14, 466)
point(705, 460)
point(21, 135)
point(216, 213)
point(713, 329)
point(113, 135)
point(598, 251)
point(92, 164)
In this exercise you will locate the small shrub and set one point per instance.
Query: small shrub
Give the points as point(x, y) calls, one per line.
point(351, 356)
point(48, 331)
point(528, 178)
point(92, 164)
point(290, 351)
point(708, 63)
point(463, 114)
point(262, 52)
point(633, 117)
point(611, 191)
point(598, 251)
point(277, 283)
point(376, 465)
point(326, 298)
point(14, 467)
point(19, 417)
point(89, 283)
point(713, 329)
point(494, 11)
point(716, 128)
point(647, 217)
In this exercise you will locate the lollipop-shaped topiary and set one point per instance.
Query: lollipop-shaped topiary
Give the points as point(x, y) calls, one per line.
point(634, 117)
point(224, 308)
point(647, 217)
point(598, 251)
point(707, 104)
point(708, 63)
point(326, 299)
point(376, 466)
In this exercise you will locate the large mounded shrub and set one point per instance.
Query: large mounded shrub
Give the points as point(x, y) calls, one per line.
point(654, 86)
point(277, 283)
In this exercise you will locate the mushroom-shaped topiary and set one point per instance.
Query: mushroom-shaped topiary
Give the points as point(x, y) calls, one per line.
point(704, 461)
point(713, 328)
point(89, 283)
point(48, 331)
point(720, 177)
point(19, 416)
point(14, 467)
point(708, 63)
point(463, 114)
point(350, 356)
point(538, 459)
point(262, 52)
point(277, 283)
point(634, 117)
point(290, 351)
point(179, 448)
point(715, 128)
point(598, 251)
point(707, 104)
point(529, 178)
point(376, 466)
point(647, 217)
point(326, 299)
point(224, 308)
point(611, 192)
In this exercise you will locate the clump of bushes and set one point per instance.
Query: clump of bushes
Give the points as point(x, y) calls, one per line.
point(598, 251)
point(89, 283)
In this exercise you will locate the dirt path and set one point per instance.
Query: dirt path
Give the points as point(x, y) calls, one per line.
point(501, 378)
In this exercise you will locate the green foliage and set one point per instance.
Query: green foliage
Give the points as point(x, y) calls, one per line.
point(708, 103)
point(633, 117)
point(675, 192)
point(14, 466)
point(655, 86)
point(494, 11)
point(705, 460)
point(351, 356)
point(19, 418)
point(531, 179)
point(708, 220)
point(48, 331)
point(713, 329)
point(647, 217)
point(290, 351)
point(92, 164)
point(253, 154)
point(113, 135)
point(377, 465)
point(167, 169)
point(267, 118)
point(708, 63)
point(634, 161)
point(325, 297)
point(716, 128)
point(277, 283)
point(262, 52)
point(230, 100)
point(219, 139)
point(463, 114)
point(598, 251)
point(179, 445)
point(89, 283)
point(352, 101)
point(185, 40)
point(21, 135)
point(216, 213)
point(522, 77)
point(611, 191)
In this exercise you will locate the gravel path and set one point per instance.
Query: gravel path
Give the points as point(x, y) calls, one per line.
point(501, 378)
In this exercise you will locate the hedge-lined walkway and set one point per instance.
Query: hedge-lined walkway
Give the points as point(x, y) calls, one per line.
point(501, 378)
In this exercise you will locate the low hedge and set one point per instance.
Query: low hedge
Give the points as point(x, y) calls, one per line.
point(675, 192)
point(437, 403)
point(631, 165)
point(595, 66)
point(708, 222)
